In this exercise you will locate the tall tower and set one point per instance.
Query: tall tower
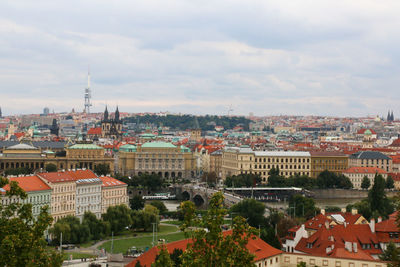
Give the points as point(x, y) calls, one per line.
point(88, 96)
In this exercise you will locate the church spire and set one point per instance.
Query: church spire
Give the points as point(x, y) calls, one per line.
point(1, 115)
point(117, 115)
point(106, 114)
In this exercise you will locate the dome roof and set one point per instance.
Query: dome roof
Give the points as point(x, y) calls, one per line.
point(22, 147)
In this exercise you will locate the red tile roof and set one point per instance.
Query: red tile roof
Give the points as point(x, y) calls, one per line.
point(109, 181)
point(256, 246)
point(81, 174)
point(29, 183)
point(94, 131)
point(56, 177)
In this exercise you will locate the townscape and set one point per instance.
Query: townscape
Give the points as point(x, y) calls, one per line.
point(90, 170)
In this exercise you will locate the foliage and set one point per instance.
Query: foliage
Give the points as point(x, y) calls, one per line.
point(332, 209)
point(187, 209)
point(377, 198)
point(327, 179)
point(138, 264)
point(285, 224)
point(250, 209)
point(18, 171)
point(137, 202)
point(302, 206)
point(118, 217)
point(150, 181)
point(21, 235)
point(98, 229)
point(366, 183)
point(144, 219)
point(73, 232)
point(163, 258)
point(302, 181)
point(275, 179)
point(51, 167)
point(176, 257)
point(102, 169)
point(211, 247)
point(183, 122)
point(242, 180)
point(389, 182)
point(302, 264)
point(392, 254)
point(269, 236)
point(160, 206)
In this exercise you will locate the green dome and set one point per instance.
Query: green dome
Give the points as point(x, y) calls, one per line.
point(127, 148)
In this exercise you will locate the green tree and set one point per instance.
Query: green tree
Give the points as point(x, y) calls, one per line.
point(160, 206)
point(376, 196)
point(102, 169)
point(18, 171)
point(327, 179)
point(73, 231)
point(51, 167)
point(269, 236)
point(302, 206)
point(176, 257)
point(250, 209)
point(210, 178)
point(391, 255)
point(137, 202)
point(97, 228)
point(119, 218)
point(163, 258)
point(366, 183)
point(211, 247)
point(302, 264)
point(389, 182)
point(275, 179)
point(242, 180)
point(187, 209)
point(21, 235)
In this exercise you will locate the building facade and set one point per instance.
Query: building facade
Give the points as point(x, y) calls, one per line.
point(114, 192)
point(165, 159)
point(111, 127)
point(371, 159)
point(331, 161)
point(357, 174)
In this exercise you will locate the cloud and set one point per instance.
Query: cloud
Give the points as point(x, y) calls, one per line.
point(266, 57)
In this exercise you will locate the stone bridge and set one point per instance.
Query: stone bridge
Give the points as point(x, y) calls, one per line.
point(201, 195)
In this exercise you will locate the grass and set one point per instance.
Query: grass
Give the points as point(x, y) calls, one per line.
point(121, 246)
point(173, 222)
point(76, 255)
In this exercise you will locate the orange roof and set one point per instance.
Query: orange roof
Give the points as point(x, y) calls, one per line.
point(94, 131)
point(29, 183)
point(81, 174)
point(256, 246)
point(56, 177)
point(109, 181)
point(367, 170)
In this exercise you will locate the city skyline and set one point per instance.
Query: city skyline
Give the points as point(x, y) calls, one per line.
point(294, 58)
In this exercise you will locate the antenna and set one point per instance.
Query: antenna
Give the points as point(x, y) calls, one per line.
point(88, 95)
point(230, 109)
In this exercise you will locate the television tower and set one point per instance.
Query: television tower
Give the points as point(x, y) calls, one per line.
point(88, 96)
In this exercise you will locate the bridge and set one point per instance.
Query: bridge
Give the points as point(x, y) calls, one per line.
point(201, 195)
point(270, 194)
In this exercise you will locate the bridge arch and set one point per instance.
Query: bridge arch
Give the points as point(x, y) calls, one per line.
point(185, 195)
point(198, 200)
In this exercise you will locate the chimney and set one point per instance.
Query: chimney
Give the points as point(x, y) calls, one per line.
point(354, 211)
point(344, 210)
point(327, 224)
point(328, 250)
point(355, 247)
point(348, 246)
point(345, 224)
point(379, 219)
point(372, 225)
point(323, 211)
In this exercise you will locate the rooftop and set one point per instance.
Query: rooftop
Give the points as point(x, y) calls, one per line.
point(158, 145)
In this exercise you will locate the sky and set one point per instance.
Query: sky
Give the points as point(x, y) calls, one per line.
point(331, 58)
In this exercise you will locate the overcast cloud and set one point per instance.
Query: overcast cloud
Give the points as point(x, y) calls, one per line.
point(267, 57)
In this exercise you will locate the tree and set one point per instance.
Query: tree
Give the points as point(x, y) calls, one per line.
point(275, 179)
point(376, 196)
point(392, 255)
point(138, 264)
point(389, 182)
point(269, 236)
point(242, 180)
point(51, 167)
point(137, 202)
point(160, 206)
point(72, 230)
point(21, 235)
point(176, 257)
point(187, 211)
point(210, 178)
point(327, 179)
point(250, 209)
point(163, 259)
point(212, 247)
point(302, 206)
point(97, 228)
point(366, 183)
point(102, 169)
point(119, 217)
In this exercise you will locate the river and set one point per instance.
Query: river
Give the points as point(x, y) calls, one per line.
point(172, 205)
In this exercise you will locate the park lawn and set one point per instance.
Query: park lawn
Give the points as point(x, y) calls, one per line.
point(122, 245)
point(173, 222)
point(76, 255)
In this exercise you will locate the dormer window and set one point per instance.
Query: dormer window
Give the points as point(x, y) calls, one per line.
point(309, 245)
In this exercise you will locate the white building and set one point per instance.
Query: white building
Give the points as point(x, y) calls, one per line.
point(88, 197)
point(357, 174)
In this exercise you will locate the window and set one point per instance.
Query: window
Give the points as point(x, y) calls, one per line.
point(338, 263)
point(312, 261)
point(325, 263)
point(351, 264)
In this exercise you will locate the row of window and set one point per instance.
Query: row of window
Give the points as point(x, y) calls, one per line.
point(92, 189)
point(282, 160)
point(281, 166)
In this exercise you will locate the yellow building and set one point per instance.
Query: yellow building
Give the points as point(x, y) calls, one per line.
point(216, 163)
point(335, 162)
point(243, 160)
point(76, 156)
point(114, 192)
point(165, 159)
point(63, 195)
